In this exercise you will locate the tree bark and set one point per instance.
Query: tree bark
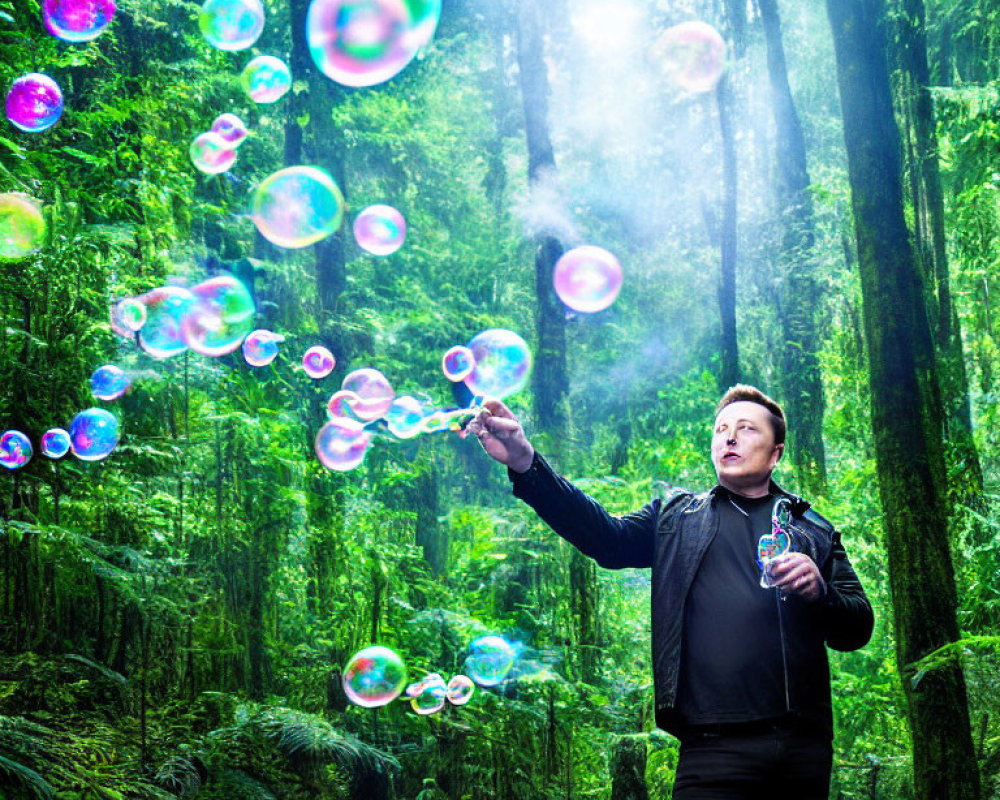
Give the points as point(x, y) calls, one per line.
point(905, 410)
point(729, 368)
point(800, 295)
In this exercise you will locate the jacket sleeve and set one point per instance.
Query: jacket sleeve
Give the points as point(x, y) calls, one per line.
point(613, 542)
point(845, 611)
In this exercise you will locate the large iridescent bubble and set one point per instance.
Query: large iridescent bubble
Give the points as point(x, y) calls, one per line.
point(374, 677)
point(380, 229)
point(34, 102)
point(221, 316)
point(460, 689)
point(230, 129)
point(166, 308)
point(266, 79)
point(503, 363)
point(490, 660)
point(260, 348)
point(212, 154)
point(297, 206)
point(318, 362)
point(587, 278)
point(374, 391)
point(109, 382)
point(55, 443)
point(77, 20)
point(692, 55)
point(15, 449)
point(365, 42)
point(22, 226)
point(93, 434)
point(342, 443)
point(231, 24)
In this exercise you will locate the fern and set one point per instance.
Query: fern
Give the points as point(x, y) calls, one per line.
point(12, 772)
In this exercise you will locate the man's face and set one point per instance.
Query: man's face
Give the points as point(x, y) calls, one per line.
point(743, 449)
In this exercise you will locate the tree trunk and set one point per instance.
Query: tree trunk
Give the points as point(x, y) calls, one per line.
point(905, 410)
point(549, 379)
point(729, 371)
point(945, 327)
point(583, 590)
point(800, 295)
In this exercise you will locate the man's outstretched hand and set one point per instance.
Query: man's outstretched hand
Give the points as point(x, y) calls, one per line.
point(502, 436)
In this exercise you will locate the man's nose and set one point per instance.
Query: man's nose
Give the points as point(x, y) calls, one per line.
point(731, 440)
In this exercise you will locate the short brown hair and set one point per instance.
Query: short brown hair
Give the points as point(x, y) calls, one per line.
point(752, 394)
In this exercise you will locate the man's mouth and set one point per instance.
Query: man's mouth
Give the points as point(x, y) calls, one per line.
point(731, 456)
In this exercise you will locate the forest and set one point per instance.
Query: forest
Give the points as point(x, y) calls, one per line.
point(820, 220)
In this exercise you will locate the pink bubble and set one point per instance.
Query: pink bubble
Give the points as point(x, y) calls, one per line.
point(34, 102)
point(55, 443)
point(260, 348)
point(318, 362)
point(365, 42)
point(341, 404)
point(15, 450)
point(341, 444)
point(374, 391)
point(221, 316)
point(379, 229)
point(212, 154)
point(230, 129)
point(77, 20)
point(587, 278)
point(457, 363)
point(692, 55)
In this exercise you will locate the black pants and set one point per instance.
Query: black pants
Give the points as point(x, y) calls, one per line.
point(776, 764)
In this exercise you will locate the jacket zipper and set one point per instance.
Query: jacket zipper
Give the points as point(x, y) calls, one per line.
point(784, 657)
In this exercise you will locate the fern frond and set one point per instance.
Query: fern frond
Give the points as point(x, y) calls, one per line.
point(12, 772)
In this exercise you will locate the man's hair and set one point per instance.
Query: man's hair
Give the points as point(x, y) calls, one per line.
point(752, 394)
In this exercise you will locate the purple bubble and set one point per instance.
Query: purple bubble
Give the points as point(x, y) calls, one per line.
point(15, 450)
point(34, 102)
point(379, 229)
point(587, 278)
point(341, 444)
point(55, 443)
point(212, 154)
point(260, 348)
point(318, 362)
point(93, 434)
point(229, 128)
point(77, 20)
point(457, 363)
point(109, 383)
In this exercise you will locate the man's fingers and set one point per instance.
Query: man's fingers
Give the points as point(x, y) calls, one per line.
point(500, 426)
point(497, 408)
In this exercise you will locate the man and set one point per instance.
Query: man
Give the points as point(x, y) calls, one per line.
point(740, 667)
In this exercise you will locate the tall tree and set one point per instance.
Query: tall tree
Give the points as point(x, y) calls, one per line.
point(800, 293)
point(905, 410)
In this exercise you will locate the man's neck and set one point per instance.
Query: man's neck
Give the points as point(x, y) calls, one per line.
point(752, 492)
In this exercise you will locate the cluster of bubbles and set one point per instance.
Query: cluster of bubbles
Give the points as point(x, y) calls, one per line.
point(92, 436)
point(366, 42)
point(691, 55)
point(34, 102)
point(376, 675)
point(297, 206)
point(214, 151)
point(231, 24)
point(380, 229)
point(77, 20)
point(266, 79)
point(22, 226)
point(587, 278)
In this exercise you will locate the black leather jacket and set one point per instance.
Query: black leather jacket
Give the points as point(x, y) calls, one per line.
point(670, 536)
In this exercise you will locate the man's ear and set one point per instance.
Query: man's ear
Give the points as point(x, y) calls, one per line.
point(781, 451)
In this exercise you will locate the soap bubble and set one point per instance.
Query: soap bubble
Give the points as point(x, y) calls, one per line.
point(341, 404)
point(230, 129)
point(266, 79)
point(374, 391)
point(55, 443)
point(222, 314)
point(22, 226)
point(93, 434)
point(380, 230)
point(587, 278)
point(428, 696)
point(503, 362)
point(34, 102)
point(109, 382)
point(15, 449)
point(341, 444)
point(490, 659)
point(457, 363)
point(374, 677)
point(212, 154)
point(166, 308)
point(692, 55)
point(318, 362)
point(405, 417)
point(231, 24)
point(365, 42)
point(77, 20)
point(460, 689)
point(261, 347)
point(132, 313)
point(297, 206)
